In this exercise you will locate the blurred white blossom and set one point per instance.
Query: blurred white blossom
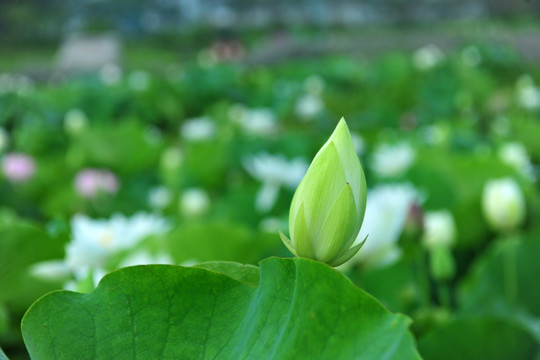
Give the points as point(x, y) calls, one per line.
point(194, 202)
point(386, 212)
point(75, 121)
point(110, 74)
point(515, 155)
point(439, 229)
point(198, 129)
point(56, 270)
point(259, 122)
point(94, 241)
point(274, 171)
point(392, 160)
point(159, 197)
point(528, 94)
point(503, 204)
point(308, 106)
point(427, 57)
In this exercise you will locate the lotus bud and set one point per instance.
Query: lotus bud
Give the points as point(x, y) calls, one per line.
point(439, 229)
point(328, 206)
point(503, 204)
point(442, 263)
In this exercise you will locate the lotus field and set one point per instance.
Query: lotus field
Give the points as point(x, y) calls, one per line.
point(325, 208)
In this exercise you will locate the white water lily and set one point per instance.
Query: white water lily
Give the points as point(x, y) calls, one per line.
point(328, 206)
point(392, 160)
point(386, 213)
point(503, 204)
point(274, 171)
point(94, 241)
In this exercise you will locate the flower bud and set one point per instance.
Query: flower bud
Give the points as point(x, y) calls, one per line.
point(439, 229)
point(503, 204)
point(442, 263)
point(329, 204)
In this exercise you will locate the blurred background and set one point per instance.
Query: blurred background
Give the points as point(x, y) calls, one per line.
point(176, 131)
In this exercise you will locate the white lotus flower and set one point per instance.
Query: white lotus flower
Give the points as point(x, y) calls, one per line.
point(503, 204)
point(94, 241)
point(386, 212)
point(274, 171)
point(392, 160)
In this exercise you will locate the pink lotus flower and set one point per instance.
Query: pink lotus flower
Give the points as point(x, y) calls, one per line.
point(18, 167)
point(89, 182)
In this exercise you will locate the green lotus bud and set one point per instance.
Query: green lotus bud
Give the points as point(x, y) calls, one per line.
point(441, 263)
point(503, 204)
point(329, 204)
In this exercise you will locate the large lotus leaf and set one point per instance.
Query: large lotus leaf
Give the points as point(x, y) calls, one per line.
point(210, 241)
point(245, 273)
point(479, 338)
point(302, 309)
point(21, 245)
point(505, 277)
